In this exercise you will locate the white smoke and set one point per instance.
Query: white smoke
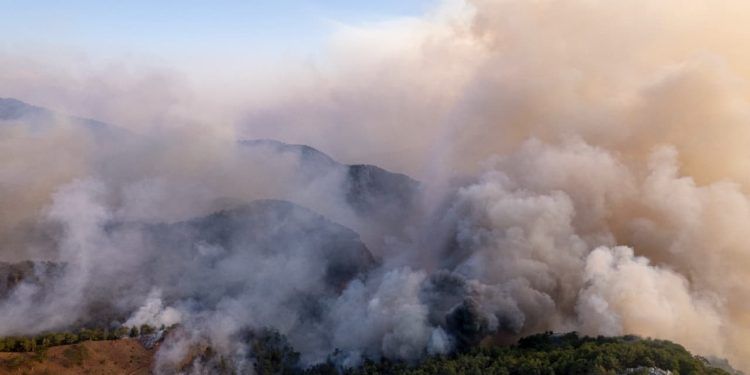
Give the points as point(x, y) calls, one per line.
point(154, 313)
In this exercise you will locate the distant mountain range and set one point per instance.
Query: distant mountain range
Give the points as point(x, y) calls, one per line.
point(243, 228)
point(39, 118)
point(370, 190)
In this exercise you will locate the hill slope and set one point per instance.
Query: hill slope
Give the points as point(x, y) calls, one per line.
point(38, 118)
point(545, 353)
point(549, 353)
point(368, 189)
point(125, 356)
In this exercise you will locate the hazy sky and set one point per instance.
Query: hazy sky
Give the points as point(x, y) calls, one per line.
point(187, 31)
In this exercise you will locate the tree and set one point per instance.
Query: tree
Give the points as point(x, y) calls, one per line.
point(147, 329)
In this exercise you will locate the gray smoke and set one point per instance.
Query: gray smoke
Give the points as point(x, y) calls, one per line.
point(573, 170)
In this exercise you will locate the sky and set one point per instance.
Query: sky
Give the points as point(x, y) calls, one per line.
point(188, 32)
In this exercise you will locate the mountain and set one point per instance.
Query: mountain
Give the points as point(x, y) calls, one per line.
point(308, 157)
point(268, 254)
point(243, 253)
point(14, 111)
point(263, 229)
point(38, 273)
point(371, 191)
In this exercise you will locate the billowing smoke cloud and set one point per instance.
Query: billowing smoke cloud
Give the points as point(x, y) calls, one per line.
point(583, 166)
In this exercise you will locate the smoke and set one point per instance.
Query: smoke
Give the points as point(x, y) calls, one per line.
point(626, 294)
point(154, 313)
point(583, 166)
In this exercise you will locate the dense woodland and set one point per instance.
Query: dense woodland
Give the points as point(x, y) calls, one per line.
point(540, 354)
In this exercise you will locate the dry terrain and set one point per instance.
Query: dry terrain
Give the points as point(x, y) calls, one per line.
point(125, 356)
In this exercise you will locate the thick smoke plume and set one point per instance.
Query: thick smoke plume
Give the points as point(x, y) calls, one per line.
point(582, 165)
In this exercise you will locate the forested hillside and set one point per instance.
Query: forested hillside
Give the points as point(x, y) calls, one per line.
point(545, 353)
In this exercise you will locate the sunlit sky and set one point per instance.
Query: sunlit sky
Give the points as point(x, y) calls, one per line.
point(187, 30)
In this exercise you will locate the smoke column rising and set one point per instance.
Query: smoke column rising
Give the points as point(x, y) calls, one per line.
point(584, 166)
